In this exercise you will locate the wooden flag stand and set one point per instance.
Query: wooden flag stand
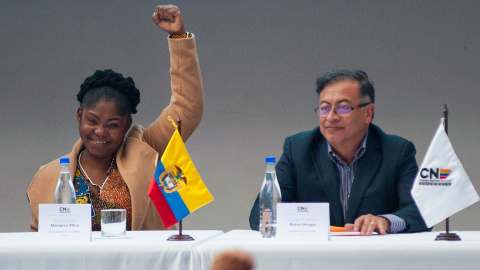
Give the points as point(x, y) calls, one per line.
point(180, 236)
point(447, 235)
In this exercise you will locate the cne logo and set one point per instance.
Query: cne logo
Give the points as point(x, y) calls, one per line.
point(435, 177)
point(302, 209)
point(64, 210)
point(172, 179)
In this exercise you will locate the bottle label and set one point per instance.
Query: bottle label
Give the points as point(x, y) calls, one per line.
point(267, 224)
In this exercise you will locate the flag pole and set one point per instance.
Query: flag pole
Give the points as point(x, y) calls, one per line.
point(447, 235)
point(180, 236)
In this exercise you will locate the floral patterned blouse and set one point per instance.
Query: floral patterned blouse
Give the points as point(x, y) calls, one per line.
point(114, 194)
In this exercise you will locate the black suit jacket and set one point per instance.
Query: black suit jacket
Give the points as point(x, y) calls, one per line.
point(382, 183)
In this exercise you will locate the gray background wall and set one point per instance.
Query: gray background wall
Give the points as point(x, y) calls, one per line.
point(259, 61)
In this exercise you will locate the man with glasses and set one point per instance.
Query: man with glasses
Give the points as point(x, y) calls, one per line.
point(363, 173)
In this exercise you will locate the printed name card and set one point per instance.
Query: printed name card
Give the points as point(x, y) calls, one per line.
point(303, 221)
point(65, 222)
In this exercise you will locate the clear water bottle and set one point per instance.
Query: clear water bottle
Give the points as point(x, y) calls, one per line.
point(64, 193)
point(269, 197)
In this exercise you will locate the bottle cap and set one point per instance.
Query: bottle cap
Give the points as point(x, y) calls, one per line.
point(64, 160)
point(270, 160)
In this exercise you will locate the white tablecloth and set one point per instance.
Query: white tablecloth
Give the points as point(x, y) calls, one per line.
point(151, 250)
point(138, 250)
point(395, 251)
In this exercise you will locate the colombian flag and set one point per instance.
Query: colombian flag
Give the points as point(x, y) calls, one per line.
point(176, 188)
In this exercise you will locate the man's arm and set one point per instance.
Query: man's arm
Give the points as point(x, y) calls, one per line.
point(406, 174)
point(407, 218)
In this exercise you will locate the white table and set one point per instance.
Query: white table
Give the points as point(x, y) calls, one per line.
point(151, 250)
point(138, 250)
point(395, 251)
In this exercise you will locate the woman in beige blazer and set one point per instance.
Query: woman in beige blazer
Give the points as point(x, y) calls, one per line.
point(113, 162)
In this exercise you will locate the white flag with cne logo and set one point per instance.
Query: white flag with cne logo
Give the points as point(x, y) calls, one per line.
point(442, 187)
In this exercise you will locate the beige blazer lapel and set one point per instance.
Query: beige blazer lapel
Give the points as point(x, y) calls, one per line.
point(136, 163)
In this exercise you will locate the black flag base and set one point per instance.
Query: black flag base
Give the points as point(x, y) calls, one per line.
point(180, 237)
point(448, 237)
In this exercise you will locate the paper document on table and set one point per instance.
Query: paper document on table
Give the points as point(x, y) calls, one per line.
point(344, 233)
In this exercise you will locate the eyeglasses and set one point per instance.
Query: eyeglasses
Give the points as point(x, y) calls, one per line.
point(324, 111)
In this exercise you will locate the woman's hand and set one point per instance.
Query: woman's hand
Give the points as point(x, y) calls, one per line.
point(169, 19)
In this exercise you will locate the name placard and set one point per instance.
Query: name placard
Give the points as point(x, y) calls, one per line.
point(303, 221)
point(65, 222)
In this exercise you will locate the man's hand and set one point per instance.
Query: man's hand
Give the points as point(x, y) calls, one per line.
point(169, 19)
point(367, 224)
